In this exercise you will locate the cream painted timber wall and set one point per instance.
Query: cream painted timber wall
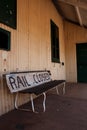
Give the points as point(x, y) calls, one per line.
point(73, 35)
point(30, 46)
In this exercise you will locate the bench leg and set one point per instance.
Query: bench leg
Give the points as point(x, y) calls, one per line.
point(57, 90)
point(64, 88)
point(44, 102)
point(32, 103)
point(16, 106)
point(16, 98)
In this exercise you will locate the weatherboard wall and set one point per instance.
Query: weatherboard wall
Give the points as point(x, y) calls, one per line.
point(74, 34)
point(30, 46)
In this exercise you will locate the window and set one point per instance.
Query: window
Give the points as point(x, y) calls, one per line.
point(54, 42)
point(4, 39)
point(8, 10)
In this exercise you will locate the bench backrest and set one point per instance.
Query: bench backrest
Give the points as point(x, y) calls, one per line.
point(19, 81)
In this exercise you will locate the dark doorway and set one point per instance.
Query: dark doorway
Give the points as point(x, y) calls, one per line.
point(81, 50)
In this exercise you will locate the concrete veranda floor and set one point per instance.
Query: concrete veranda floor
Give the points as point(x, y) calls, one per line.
point(76, 90)
point(63, 112)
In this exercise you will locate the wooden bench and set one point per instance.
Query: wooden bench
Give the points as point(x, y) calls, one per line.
point(32, 82)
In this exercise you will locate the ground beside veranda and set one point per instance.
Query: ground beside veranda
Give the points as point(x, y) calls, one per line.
point(63, 112)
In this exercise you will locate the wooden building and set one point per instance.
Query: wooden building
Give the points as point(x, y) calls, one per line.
point(31, 49)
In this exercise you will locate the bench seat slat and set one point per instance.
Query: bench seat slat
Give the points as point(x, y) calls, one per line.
point(43, 87)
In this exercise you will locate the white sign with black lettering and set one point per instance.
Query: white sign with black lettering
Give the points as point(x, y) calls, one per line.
point(22, 81)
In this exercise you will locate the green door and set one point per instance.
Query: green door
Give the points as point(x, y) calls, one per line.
point(81, 50)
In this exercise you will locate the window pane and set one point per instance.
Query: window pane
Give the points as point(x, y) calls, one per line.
point(8, 10)
point(4, 39)
point(54, 42)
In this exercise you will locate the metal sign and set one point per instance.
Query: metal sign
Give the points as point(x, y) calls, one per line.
point(21, 81)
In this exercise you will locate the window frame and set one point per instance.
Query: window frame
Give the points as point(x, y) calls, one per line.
point(55, 50)
point(8, 13)
point(5, 39)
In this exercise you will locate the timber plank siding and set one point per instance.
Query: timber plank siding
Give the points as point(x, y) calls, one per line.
point(73, 35)
point(30, 46)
